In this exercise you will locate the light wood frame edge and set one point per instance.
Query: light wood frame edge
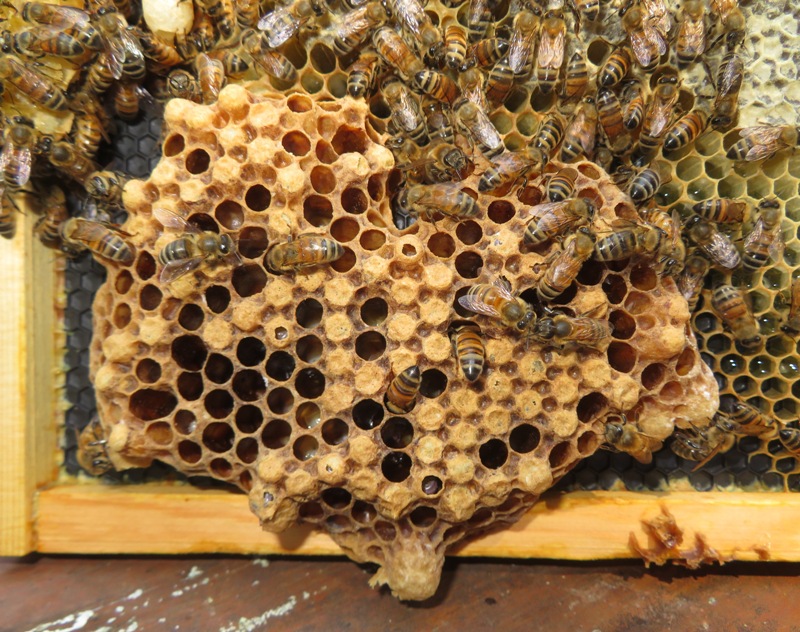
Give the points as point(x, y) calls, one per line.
point(163, 519)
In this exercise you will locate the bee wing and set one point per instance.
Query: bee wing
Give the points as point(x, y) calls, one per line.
point(762, 134)
point(777, 246)
point(551, 50)
point(659, 119)
point(641, 48)
point(23, 159)
point(176, 269)
point(274, 64)
point(519, 50)
point(731, 77)
point(475, 305)
point(721, 250)
point(172, 220)
point(503, 285)
point(131, 44)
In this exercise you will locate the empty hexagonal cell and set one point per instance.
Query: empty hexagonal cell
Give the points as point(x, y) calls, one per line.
point(249, 385)
point(197, 161)
point(149, 404)
point(469, 264)
point(148, 371)
point(349, 140)
point(442, 245)
point(280, 400)
point(276, 434)
point(374, 311)
point(309, 313)
point(280, 366)
point(249, 418)
point(190, 317)
point(248, 280)
point(218, 298)
point(367, 414)
point(334, 431)
point(258, 198)
point(396, 466)
point(344, 229)
point(189, 352)
point(145, 265)
point(309, 383)
point(309, 349)
point(501, 211)
point(218, 404)
point(397, 432)
point(190, 385)
point(305, 447)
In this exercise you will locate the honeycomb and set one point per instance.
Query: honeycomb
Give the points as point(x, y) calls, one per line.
point(250, 377)
point(378, 519)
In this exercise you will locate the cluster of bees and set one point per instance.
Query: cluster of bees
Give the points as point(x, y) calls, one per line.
point(440, 82)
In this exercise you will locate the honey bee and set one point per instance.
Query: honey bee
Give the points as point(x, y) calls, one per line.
point(550, 56)
point(615, 68)
point(363, 76)
point(272, 62)
point(210, 76)
point(16, 159)
point(763, 141)
point(520, 50)
point(696, 444)
point(790, 439)
point(644, 185)
point(672, 255)
point(356, 26)
point(402, 392)
point(732, 20)
point(550, 134)
point(76, 22)
point(182, 85)
point(553, 219)
point(749, 420)
point(304, 251)
point(722, 210)
point(201, 39)
point(437, 85)
point(690, 281)
point(633, 99)
point(626, 437)
point(89, 125)
point(657, 118)
point(445, 163)
point(480, 128)
point(282, 24)
point(561, 330)
point(37, 42)
point(499, 82)
point(487, 52)
point(48, 227)
point(731, 305)
point(65, 157)
point(629, 241)
point(469, 349)
point(564, 267)
point(405, 111)
point(510, 166)
point(193, 247)
point(8, 214)
point(446, 198)
point(102, 240)
point(455, 46)
point(127, 97)
point(247, 13)
point(92, 453)
point(792, 326)
point(576, 78)
point(764, 242)
point(691, 39)
point(472, 88)
point(30, 83)
point(99, 77)
point(223, 13)
point(561, 185)
point(609, 111)
point(647, 42)
point(717, 247)
point(106, 187)
point(124, 51)
point(478, 19)
point(411, 15)
point(730, 75)
point(686, 130)
point(157, 50)
point(498, 301)
point(235, 65)
point(395, 53)
point(438, 124)
point(579, 137)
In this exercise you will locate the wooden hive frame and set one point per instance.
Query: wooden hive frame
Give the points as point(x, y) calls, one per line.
point(43, 510)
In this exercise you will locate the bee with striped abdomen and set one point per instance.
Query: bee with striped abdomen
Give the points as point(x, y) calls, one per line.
point(445, 162)
point(609, 111)
point(446, 198)
point(550, 55)
point(563, 268)
point(192, 248)
point(561, 184)
point(106, 187)
point(686, 130)
point(16, 159)
point(455, 46)
point(48, 227)
point(730, 75)
point(657, 119)
point(252, 43)
point(646, 40)
point(437, 85)
point(629, 240)
point(722, 210)
point(469, 350)
point(792, 326)
point(554, 219)
point(615, 68)
point(411, 15)
point(790, 440)
point(223, 14)
point(102, 240)
point(626, 437)
point(633, 104)
point(478, 20)
point(38, 89)
point(363, 76)
point(402, 392)
point(8, 214)
point(499, 82)
point(520, 49)
point(356, 26)
point(750, 420)
point(716, 246)
point(763, 141)
point(690, 282)
point(487, 52)
point(65, 156)
point(646, 183)
point(733, 309)
point(576, 77)
point(480, 128)
point(579, 136)
point(395, 53)
point(764, 242)
point(702, 444)
point(550, 134)
point(691, 40)
point(283, 23)
point(511, 166)
point(405, 110)
point(304, 251)
point(92, 453)
point(499, 301)
point(210, 76)
point(561, 330)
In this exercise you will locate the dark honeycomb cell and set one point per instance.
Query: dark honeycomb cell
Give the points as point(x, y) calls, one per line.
point(367, 414)
point(276, 434)
point(493, 454)
point(190, 317)
point(524, 438)
point(396, 467)
point(149, 404)
point(309, 313)
point(190, 385)
point(280, 400)
point(248, 280)
point(374, 311)
point(336, 498)
point(280, 366)
point(148, 371)
point(251, 351)
point(249, 385)
point(249, 418)
point(218, 298)
point(309, 383)
point(258, 198)
point(189, 352)
point(370, 345)
point(397, 433)
point(334, 431)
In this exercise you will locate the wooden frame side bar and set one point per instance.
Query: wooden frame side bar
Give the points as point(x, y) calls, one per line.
point(577, 526)
point(30, 381)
